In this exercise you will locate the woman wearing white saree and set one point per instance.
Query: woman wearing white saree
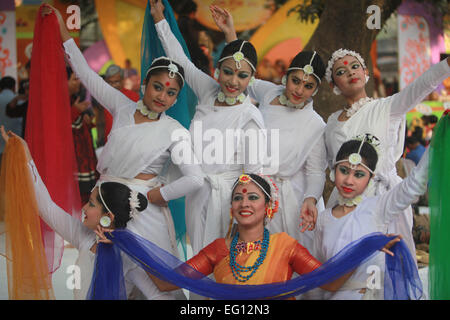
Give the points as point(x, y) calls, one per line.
point(223, 112)
point(383, 118)
point(288, 108)
point(140, 143)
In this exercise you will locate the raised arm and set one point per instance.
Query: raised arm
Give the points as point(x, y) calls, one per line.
point(59, 220)
point(199, 82)
point(405, 193)
point(111, 98)
point(415, 92)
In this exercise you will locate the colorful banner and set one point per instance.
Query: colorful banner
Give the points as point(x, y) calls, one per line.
point(413, 48)
point(280, 28)
point(121, 23)
point(8, 57)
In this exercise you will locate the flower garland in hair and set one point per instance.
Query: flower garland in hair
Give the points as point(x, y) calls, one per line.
point(134, 203)
point(338, 54)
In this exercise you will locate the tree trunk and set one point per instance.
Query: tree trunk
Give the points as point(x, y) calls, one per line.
point(343, 24)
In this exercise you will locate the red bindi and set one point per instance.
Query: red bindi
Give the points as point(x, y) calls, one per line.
point(167, 83)
point(345, 62)
point(244, 190)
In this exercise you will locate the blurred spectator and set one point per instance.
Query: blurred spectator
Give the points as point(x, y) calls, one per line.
point(280, 70)
point(114, 75)
point(7, 93)
point(190, 30)
point(265, 70)
point(416, 149)
point(17, 107)
point(131, 77)
point(82, 139)
point(129, 71)
point(429, 124)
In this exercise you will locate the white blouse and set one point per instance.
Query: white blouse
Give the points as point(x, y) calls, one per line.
point(301, 143)
point(134, 148)
point(373, 214)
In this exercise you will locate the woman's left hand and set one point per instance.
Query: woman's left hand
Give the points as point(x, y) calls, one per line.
point(154, 197)
point(391, 243)
point(157, 10)
point(308, 214)
point(100, 232)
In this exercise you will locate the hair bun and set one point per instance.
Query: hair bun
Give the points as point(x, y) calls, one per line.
point(143, 202)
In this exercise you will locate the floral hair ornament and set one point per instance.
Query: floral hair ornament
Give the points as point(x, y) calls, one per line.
point(172, 68)
point(273, 196)
point(307, 70)
point(338, 54)
point(134, 203)
point(355, 158)
point(238, 56)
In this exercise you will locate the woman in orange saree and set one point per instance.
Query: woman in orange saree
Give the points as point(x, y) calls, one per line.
point(253, 256)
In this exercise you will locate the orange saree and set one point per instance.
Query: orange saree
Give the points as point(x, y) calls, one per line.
point(285, 256)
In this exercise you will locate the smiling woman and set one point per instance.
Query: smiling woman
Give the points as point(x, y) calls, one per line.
point(223, 104)
point(140, 143)
point(288, 109)
point(358, 213)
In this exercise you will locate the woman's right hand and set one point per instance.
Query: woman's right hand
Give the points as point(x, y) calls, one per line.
point(47, 10)
point(224, 21)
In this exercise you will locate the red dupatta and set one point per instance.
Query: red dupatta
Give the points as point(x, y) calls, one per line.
point(48, 128)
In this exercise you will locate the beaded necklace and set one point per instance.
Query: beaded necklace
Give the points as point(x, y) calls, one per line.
point(237, 269)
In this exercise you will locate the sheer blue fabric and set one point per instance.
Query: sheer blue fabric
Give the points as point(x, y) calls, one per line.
point(107, 279)
point(401, 277)
point(182, 110)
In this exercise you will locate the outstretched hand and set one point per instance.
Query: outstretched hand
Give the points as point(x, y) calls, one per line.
point(390, 244)
point(7, 135)
point(47, 10)
point(224, 21)
point(157, 10)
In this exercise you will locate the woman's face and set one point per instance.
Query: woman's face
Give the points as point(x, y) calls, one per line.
point(161, 92)
point(248, 205)
point(299, 90)
point(93, 211)
point(349, 75)
point(234, 81)
point(351, 182)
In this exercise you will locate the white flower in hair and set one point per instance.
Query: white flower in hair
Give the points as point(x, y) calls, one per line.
point(173, 69)
point(134, 203)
